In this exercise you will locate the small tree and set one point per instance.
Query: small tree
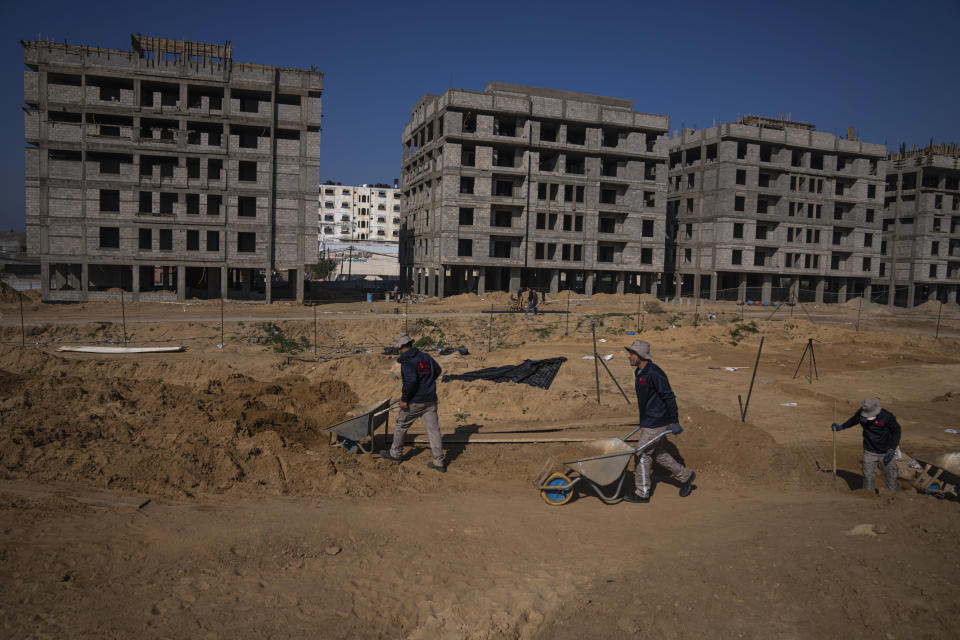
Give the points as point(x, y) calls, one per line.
point(322, 269)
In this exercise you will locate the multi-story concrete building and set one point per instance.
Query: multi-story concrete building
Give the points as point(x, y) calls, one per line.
point(364, 213)
point(519, 185)
point(765, 209)
point(169, 171)
point(921, 226)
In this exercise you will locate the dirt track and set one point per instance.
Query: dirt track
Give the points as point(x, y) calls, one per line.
point(255, 528)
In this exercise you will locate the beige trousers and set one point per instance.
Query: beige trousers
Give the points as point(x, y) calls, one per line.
point(426, 411)
point(647, 457)
point(890, 471)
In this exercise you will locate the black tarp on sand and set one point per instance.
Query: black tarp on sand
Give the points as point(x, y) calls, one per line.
point(536, 373)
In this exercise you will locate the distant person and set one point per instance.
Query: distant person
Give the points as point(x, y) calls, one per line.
point(658, 413)
point(418, 399)
point(881, 438)
point(532, 302)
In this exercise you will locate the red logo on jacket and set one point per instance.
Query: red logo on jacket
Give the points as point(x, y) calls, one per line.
point(424, 367)
point(641, 380)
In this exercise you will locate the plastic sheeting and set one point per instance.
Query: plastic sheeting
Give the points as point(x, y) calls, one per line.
point(536, 373)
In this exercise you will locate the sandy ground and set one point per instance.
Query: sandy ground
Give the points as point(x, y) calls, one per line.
point(195, 494)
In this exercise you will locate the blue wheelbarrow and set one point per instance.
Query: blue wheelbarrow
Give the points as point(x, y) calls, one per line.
point(600, 463)
point(356, 433)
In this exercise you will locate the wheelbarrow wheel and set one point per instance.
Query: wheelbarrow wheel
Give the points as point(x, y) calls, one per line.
point(348, 444)
point(561, 495)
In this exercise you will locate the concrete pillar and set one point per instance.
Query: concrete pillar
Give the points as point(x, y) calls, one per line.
point(742, 288)
point(84, 281)
point(267, 285)
point(767, 289)
point(696, 286)
point(554, 280)
point(654, 287)
point(620, 278)
point(588, 284)
point(867, 292)
point(224, 293)
point(431, 282)
point(482, 281)
point(441, 281)
point(299, 274)
point(714, 277)
point(181, 283)
point(514, 279)
point(911, 294)
point(843, 290)
point(135, 283)
point(794, 295)
point(820, 285)
point(952, 294)
point(934, 292)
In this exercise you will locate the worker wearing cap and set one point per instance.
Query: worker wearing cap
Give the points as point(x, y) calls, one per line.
point(881, 437)
point(418, 399)
point(658, 411)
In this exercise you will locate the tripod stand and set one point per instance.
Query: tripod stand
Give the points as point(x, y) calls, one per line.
point(812, 362)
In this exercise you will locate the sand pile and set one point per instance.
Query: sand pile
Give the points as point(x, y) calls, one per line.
point(8, 293)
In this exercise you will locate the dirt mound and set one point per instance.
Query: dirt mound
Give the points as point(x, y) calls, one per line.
point(161, 438)
point(8, 293)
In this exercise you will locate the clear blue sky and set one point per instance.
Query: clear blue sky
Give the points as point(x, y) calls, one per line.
point(887, 68)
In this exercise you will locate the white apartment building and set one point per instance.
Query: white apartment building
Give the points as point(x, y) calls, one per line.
point(362, 213)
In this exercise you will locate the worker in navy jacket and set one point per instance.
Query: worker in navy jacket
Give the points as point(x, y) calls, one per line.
point(881, 438)
point(418, 399)
point(658, 413)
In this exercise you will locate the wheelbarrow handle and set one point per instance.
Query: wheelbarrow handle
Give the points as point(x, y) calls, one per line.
point(388, 409)
point(675, 429)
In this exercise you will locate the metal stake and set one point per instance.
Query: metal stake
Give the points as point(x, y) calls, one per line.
point(23, 331)
point(566, 331)
point(939, 311)
point(490, 330)
point(316, 350)
point(222, 343)
point(743, 416)
point(124, 316)
point(596, 367)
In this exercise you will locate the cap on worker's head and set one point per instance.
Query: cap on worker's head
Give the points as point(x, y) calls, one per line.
point(870, 408)
point(640, 348)
point(402, 341)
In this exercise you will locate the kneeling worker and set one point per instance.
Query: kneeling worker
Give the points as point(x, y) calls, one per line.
point(418, 399)
point(658, 410)
point(881, 437)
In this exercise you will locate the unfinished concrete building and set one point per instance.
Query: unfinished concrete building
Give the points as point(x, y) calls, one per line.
point(169, 171)
point(921, 226)
point(521, 186)
point(767, 209)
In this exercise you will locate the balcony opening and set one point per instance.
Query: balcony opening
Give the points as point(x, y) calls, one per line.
point(505, 126)
point(548, 161)
point(549, 131)
point(468, 156)
point(576, 134)
point(501, 218)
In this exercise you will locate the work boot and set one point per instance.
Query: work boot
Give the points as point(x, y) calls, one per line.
point(635, 499)
point(386, 455)
point(437, 467)
point(687, 486)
